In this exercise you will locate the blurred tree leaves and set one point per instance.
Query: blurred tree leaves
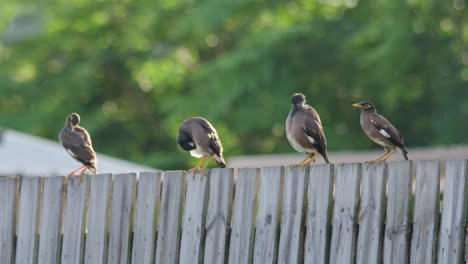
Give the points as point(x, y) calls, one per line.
point(135, 70)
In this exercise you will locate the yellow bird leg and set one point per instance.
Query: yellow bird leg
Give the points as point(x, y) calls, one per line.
point(302, 162)
point(80, 176)
point(204, 168)
point(73, 173)
point(206, 164)
point(389, 154)
point(376, 160)
point(310, 161)
point(200, 163)
point(198, 166)
point(382, 156)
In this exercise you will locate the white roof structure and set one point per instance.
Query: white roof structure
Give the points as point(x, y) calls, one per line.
point(27, 155)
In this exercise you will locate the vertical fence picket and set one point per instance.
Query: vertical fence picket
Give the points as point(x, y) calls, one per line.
point(167, 246)
point(74, 220)
point(265, 247)
point(28, 217)
point(123, 202)
point(397, 228)
point(453, 213)
point(426, 213)
point(50, 227)
point(98, 219)
point(220, 197)
point(193, 221)
point(240, 246)
point(372, 213)
point(343, 241)
point(146, 215)
point(8, 192)
point(293, 215)
point(318, 226)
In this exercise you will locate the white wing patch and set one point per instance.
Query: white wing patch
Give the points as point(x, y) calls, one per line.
point(191, 144)
point(311, 139)
point(71, 153)
point(381, 131)
point(384, 133)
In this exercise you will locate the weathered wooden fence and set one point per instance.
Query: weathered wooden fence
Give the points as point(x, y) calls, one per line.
point(323, 214)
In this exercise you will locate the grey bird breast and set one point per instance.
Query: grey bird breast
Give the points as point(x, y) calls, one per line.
point(296, 125)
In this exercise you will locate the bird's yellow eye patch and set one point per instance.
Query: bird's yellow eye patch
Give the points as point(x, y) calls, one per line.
point(367, 106)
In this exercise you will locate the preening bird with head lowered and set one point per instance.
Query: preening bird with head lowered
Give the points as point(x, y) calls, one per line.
point(199, 137)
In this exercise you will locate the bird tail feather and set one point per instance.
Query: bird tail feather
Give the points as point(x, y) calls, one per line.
point(93, 169)
point(325, 157)
point(220, 161)
point(405, 152)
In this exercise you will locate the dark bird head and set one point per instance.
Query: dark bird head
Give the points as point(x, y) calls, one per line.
point(365, 106)
point(298, 100)
point(185, 142)
point(73, 120)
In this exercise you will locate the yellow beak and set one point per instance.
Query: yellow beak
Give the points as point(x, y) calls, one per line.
point(357, 105)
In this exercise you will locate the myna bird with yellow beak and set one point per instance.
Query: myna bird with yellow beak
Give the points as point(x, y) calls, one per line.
point(304, 131)
point(77, 142)
point(379, 130)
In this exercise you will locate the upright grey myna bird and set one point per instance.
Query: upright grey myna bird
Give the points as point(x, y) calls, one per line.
point(304, 130)
point(76, 141)
point(199, 137)
point(380, 131)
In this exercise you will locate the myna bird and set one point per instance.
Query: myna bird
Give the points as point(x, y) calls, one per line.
point(380, 131)
point(304, 131)
point(76, 141)
point(199, 137)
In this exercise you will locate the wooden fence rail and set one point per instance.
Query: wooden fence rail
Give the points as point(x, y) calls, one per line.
point(322, 214)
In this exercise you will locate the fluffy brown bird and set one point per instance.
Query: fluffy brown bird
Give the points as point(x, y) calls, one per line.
point(304, 130)
point(379, 130)
point(77, 142)
point(199, 137)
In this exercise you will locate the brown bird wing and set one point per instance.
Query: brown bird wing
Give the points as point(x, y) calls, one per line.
point(313, 128)
point(78, 144)
point(387, 130)
point(215, 142)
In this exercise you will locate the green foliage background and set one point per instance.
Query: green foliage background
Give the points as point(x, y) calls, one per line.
point(135, 69)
